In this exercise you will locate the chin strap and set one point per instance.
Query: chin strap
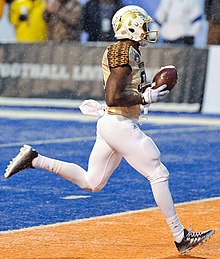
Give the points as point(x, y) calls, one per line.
point(143, 43)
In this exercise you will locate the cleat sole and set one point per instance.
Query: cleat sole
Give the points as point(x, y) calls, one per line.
point(23, 151)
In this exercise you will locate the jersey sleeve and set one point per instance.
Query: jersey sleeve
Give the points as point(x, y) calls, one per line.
point(118, 54)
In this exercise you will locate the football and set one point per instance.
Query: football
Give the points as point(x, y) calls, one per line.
point(166, 75)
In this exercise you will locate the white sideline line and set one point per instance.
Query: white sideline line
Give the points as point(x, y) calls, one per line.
point(40, 102)
point(188, 129)
point(91, 138)
point(49, 141)
point(74, 103)
point(102, 217)
point(77, 116)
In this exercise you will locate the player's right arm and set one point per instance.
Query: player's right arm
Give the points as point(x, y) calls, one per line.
point(115, 93)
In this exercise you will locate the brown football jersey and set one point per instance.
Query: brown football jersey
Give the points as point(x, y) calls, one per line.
point(123, 53)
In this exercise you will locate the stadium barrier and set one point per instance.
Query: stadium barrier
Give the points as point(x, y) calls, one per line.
point(73, 72)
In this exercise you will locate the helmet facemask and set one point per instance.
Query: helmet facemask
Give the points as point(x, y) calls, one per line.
point(150, 36)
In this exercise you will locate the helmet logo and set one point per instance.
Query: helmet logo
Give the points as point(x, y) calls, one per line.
point(128, 15)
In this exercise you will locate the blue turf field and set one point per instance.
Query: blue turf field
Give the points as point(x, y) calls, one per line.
point(36, 197)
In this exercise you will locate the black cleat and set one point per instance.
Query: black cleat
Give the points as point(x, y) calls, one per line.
point(192, 239)
point(22, 161)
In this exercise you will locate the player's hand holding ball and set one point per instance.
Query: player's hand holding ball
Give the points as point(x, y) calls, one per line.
point(153, 95)
point(162, 83)
point(167, 75)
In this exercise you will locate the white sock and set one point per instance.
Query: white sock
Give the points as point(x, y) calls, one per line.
point(176, 228)
point(70, 171)
point(164, 201)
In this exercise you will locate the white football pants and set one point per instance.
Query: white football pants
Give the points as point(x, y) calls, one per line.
point(118, 137)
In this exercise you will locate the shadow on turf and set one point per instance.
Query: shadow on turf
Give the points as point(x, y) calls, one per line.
point(184, 257)
point(52, 257)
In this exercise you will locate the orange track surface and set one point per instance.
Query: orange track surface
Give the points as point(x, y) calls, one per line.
point(141, 235)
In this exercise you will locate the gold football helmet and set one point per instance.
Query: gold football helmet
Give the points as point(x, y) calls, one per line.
point(132, 22)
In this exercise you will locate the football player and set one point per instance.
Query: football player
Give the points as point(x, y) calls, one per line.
point(118, 134)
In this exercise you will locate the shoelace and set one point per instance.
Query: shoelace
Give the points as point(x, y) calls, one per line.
point(195, 237)
point(194, 234)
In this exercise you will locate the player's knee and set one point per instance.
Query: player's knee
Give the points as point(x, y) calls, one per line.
point(99, 187)
point(161, 175)
point(94, 187)
point(87, 186)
